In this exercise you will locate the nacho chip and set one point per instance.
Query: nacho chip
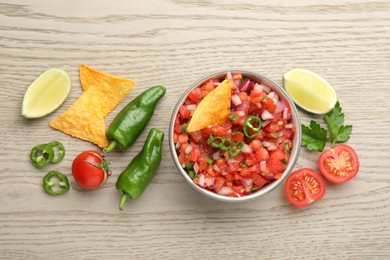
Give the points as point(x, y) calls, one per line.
point(84, 119)
point(115, 89)
point(213, 109)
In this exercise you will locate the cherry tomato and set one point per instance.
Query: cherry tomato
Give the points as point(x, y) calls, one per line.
point(90, 169)
point(304, 186)
point(339, 164)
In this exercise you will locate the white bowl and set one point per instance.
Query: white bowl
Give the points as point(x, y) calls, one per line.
point(296, 139)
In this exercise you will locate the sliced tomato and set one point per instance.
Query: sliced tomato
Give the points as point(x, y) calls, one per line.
point(339, 164)
point(304, 186)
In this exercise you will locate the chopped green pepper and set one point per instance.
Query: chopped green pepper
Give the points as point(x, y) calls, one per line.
point(59, 150)
point(41, 155)
point(48, 184)
point(134, 179)
point(236, 149)
point(252, 126)
point(220, 142)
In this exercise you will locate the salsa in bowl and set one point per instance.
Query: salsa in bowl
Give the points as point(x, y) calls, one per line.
point(248, 152)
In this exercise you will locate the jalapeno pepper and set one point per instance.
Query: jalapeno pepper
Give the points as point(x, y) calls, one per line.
point(59, 150)
point(41, 155)
point(252, 126)
point(133, 118)
point(220, 142)
point(48, 184)
point(236, 149)
point(141, 170)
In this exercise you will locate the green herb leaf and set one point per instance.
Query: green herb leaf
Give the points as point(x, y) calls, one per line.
point(339, 132)
point(314, 137)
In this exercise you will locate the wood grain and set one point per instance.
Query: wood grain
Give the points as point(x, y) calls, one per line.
point(174, 43)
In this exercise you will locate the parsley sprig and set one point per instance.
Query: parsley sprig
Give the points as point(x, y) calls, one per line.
point(315, 137)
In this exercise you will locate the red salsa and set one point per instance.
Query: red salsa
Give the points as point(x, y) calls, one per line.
point(249, 150)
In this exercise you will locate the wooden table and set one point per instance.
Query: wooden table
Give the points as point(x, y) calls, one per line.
point(174, 43)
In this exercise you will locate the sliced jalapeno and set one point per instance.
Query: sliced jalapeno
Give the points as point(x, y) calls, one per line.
point(41, 155)
point(59, 151)
point(49, 184)
point(252, 126)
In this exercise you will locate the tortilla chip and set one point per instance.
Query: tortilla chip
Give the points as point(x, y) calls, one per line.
point(84, 119)
point(213, 109)
point(114, 89)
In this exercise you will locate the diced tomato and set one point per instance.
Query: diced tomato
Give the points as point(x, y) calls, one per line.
point(258, 180)
point(196, 136)
point(270, 104)
point(261, 155)
point(195, 95)
point(184, 112)
point(195, 153)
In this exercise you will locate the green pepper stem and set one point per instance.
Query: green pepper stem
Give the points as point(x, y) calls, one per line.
point(111, 146)
point(123, 200)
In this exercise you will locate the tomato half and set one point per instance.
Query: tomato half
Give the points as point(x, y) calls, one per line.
point(90, 169)
point(339, 164)
point(304, 186)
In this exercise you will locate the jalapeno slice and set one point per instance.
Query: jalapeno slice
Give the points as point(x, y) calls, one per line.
point(41, 155)
point(49, 184)
point(59, 151)
point(252, 126)
point(236, 149)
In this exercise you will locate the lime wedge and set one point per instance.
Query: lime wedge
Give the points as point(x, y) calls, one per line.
point(309, 91)
point(46, 93)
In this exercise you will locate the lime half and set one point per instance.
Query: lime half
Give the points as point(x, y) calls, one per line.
point(309, 91)
point(46, 93)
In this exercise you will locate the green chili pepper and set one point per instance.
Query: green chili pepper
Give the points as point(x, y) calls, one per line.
point(141, 170)
point(128, 125)
point(60, 151)
point(236, 149)
point(220, 142)
point(48, 184)
point(252, 126)
point(41, 155)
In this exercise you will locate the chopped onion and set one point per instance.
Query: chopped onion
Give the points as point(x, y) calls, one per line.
point(272, 147)
point(225, 191)
point(258, 88)
point(265, 123)
point(200, 180)
point(246, 86)
point(263, 166)
point(272, 95)
point(240, 113)
point(266, 115)
point(247, 182)
point(236, 100)
point(280, 106)
point(242, 107)
point(188, 149)
point(246, 148)
point(285, 113)
point(196, 168)
point(229, 76)
point(209, 181)
point(216, 156)
point(266, 89)
point(266, 144)
point(289, 126)
point(216, 168)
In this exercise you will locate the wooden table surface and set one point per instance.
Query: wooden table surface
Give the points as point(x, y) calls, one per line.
point(174, 43)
